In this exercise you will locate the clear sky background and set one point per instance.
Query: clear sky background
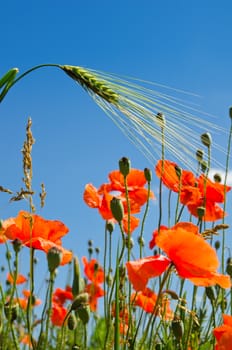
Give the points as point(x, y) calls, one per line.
point(183, 44)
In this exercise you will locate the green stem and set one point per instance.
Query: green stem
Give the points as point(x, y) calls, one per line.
point(33, 69)
point(143, 220)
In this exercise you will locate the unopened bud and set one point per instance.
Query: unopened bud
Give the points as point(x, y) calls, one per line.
point(217, 245)
point(160, 119)
point(206, 139)
point(200, 212)
point(11, 311)
point(72, 322)
point(80, 300)
point(178, 171)
point(84, 313)
point(54, 257)
point(110, 226)
point(230, 112)
point(229, 267)
point(141, 241)
point(124, 166)
point(129, 242)
point(148, 174)
point(210, 293)
point(76, 277)
point(204, 166)
point(117, 209)
point(217, 178)
point(199, 155)
point(17, 244)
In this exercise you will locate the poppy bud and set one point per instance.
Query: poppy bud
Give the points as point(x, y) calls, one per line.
point(178, 171)
point(210, 294)
point(177, 328)
point(110, 226)
point(141, 241)
point(148, 174)
point(76, 277)
point(200, 212)
point(109, 279)
point(129, 242)
point(8, 255)
point(204, 166)
point(160, 118)
point(72, 322)
point(229, 267)
point(124, 166)
point(90, 242)
point(11, 311)
point(217, 178)
point(17, 244)
point(230, 112)
point(84, 313)
point(54, 257)
point(217, 245)
point(80, 300)
point(90, 250)
point(117, 209)
point(199, 155)
point(206, 139)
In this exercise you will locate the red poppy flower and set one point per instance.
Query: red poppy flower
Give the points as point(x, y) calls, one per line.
point(24, 301)
point(34, 231)
point(186, 225)
point(58, 314)
point(19, 280)
point(93, 271)
point(194, 192)
point(95, 291)
point(137, 195)
point(102, 202)
point(147, 300)
point(60, 296)
point(135, 185)
point(140, 271)
point(192, 256)
point(223, 334)
point(167, 171)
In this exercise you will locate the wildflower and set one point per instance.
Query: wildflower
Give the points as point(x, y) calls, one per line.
point(207, 194)
point(123, 317)
point(93, 271)
point(135, 185)
point(187, 250)
point(60, 296)
point(147, 300)
point(137, 195)
point(223, 334)
point(38, 233)
point(58, 314)
point(95, 274)
point(194, 191)
point(20, 279)
point(23, 302)
point(95, 291)
point(141, 270)
point(167, 172)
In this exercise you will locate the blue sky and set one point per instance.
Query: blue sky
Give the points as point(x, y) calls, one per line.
point(186, 45)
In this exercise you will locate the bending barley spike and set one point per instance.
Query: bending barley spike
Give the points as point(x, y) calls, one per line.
point(90, 82)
